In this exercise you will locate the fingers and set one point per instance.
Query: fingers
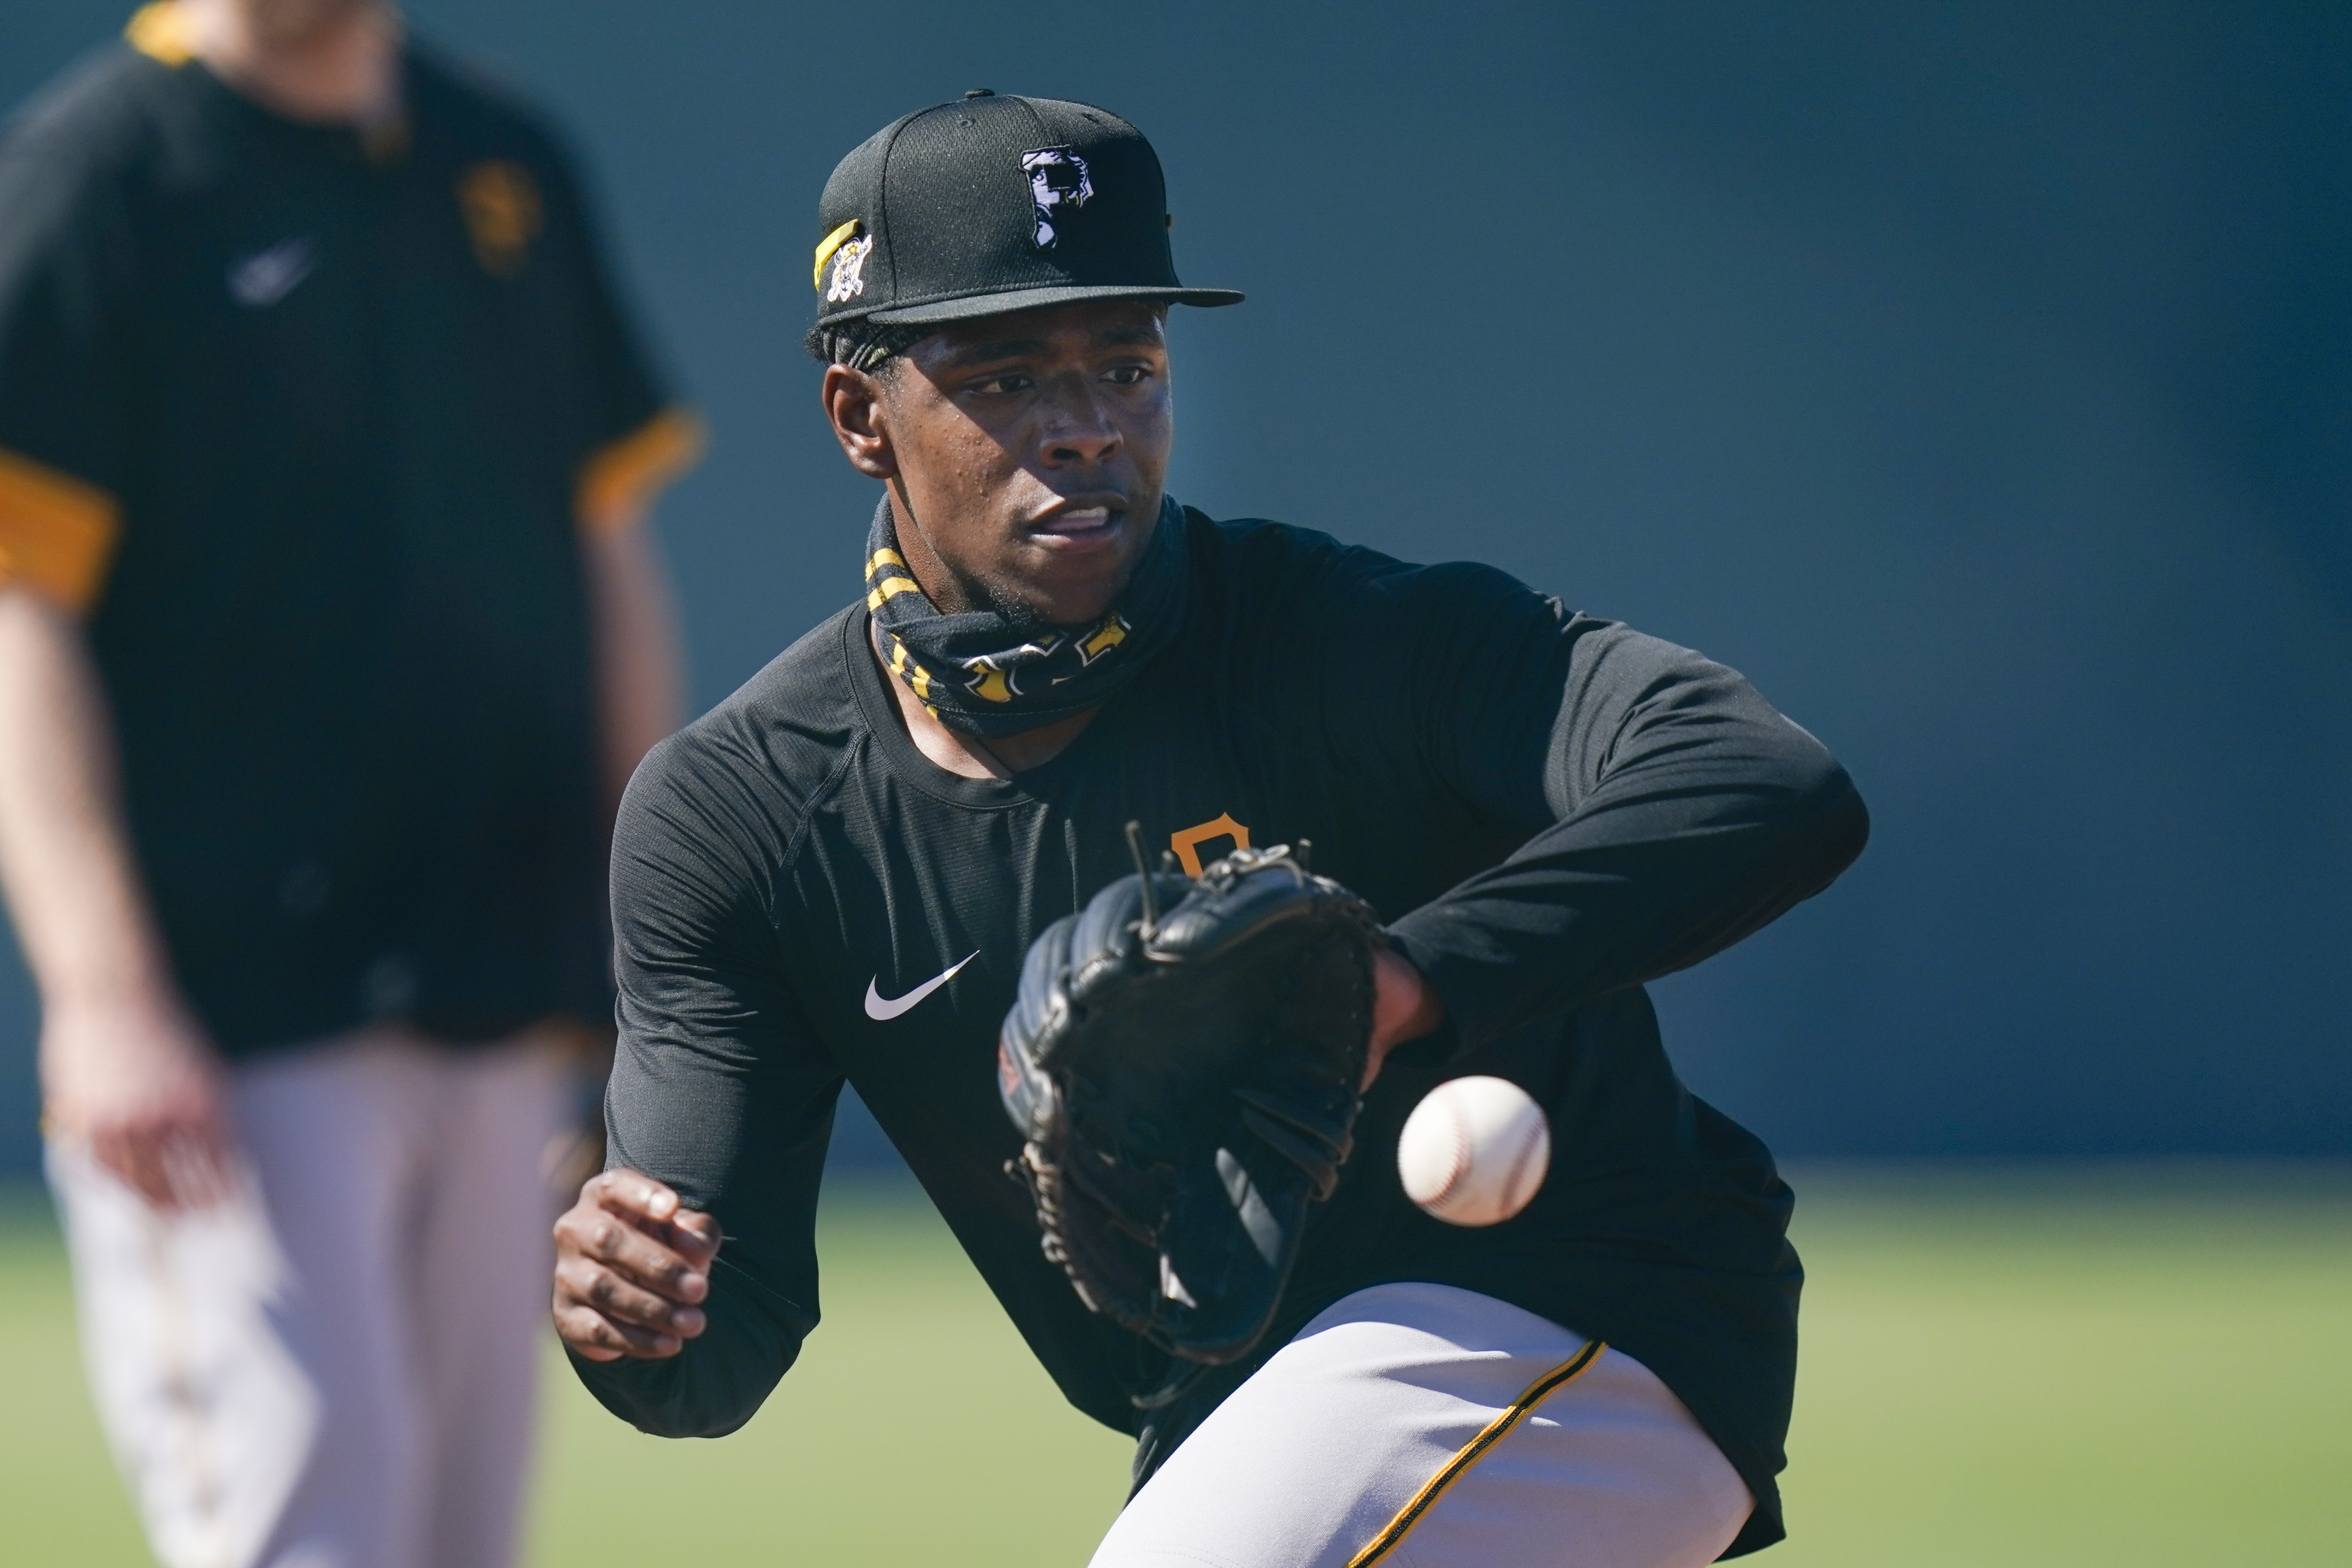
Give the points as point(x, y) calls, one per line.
point(174, 1165)
point(148, 1099)
point(596, 1337)
point(138, 1160)
point(696, 1235)
point(629, 1192)
point(654, 1210)
point(639, 1260)
point(198, 1170)
point(631, 1265)
point(581, 1282)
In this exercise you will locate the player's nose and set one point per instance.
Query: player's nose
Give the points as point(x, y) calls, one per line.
point(1079, 429)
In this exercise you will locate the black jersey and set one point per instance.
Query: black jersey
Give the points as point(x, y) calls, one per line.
point(1547, 809)
point(303, 421)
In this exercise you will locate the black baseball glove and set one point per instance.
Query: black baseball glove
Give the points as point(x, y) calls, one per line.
point(1186, 1081)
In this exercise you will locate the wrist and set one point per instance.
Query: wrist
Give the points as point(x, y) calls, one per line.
point(102, 956)
point(129, 993)
point(1405, 1006)
point(141, 1028)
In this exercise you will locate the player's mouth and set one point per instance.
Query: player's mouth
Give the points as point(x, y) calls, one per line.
point(1080, 523)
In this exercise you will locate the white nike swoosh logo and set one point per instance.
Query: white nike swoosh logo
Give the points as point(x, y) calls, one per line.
point(882, 1009)
point(266, 277)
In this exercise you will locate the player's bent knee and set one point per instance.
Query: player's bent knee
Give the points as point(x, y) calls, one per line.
point(1390, 1430)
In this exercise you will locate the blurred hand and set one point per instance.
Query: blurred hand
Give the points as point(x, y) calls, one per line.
point(135, 1079)
point(1404, 1007)
point(630, 1265)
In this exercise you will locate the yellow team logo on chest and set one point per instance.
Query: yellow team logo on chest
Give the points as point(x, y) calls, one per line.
point(1186, 844)
point(503, 214)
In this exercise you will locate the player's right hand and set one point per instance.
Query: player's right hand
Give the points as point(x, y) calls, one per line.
point(135, 1080)
point(630, 1266)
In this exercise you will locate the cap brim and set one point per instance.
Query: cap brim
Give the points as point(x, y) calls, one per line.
point(973, 306)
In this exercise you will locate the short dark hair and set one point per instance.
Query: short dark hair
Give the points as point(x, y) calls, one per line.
point(862, 344)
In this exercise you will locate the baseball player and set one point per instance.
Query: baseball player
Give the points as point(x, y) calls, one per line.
point(838, 875)
point(327, 637)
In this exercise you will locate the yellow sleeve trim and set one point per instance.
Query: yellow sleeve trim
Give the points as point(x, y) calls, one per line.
point(618, 482)
point(161, 33)
point(58, 533)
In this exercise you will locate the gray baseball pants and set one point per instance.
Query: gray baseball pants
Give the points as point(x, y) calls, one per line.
point(337, 1368)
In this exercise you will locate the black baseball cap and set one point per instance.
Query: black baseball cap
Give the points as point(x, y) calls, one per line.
point(995, 204)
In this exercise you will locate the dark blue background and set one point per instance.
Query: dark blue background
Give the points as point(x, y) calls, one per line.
point(1977, 378)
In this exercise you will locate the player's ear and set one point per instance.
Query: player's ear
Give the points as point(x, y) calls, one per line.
point(853, 402)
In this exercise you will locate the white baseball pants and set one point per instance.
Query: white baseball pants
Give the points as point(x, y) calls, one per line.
point(1425, 1427)
point(336, 1368)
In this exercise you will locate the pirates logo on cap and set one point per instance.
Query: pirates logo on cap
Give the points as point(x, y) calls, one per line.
point(850, 270)
point(848, 252)
point(1057, 178)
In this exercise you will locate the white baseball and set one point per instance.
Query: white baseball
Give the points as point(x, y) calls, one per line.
point(1475, 1151)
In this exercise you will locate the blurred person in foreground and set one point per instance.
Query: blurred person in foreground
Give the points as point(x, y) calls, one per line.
point(835, 875)
point(329, 631)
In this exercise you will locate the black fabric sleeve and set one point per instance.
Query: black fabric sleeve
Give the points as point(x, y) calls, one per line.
point(1669, 809)
point(66, 265)
point(621, 390)
point(632, 441)
point(66, 294)
point(720, 1089)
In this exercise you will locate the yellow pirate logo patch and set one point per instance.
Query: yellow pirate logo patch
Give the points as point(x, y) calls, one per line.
point(850, 271)
point(503, 214)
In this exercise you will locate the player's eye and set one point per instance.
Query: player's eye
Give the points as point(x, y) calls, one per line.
point(1130, 375)
point(998, 386)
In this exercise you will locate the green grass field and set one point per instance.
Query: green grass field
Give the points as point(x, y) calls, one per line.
point(2000, 1368)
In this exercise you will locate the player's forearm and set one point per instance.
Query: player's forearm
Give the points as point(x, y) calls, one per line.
point(80, 910)
point(640, 666)
point(1712, 818)
point(719, 1380)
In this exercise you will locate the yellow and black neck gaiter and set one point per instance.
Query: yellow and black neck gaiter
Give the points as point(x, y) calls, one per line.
point(980, 673)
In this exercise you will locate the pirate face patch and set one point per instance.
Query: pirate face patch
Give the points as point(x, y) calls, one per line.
point(850, 270)
point(1057, 180)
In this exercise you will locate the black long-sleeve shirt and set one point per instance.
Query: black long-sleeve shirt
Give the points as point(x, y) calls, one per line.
point(1549, 810)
